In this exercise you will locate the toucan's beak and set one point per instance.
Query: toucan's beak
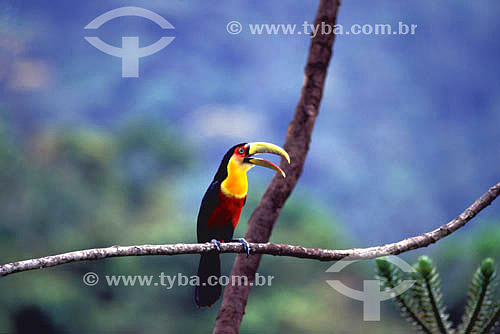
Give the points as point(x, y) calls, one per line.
point(262, 147)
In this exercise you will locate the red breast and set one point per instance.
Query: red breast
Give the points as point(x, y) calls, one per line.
point(228, 210)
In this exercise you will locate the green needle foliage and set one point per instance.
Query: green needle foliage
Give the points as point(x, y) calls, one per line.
point(494, 322)
point(391, 277)
point(422, 305)
point(481, 298)
point(427, 292)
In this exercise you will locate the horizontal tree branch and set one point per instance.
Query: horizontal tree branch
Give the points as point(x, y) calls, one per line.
point(402, 246)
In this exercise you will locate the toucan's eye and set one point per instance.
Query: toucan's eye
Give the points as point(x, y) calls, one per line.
point(241, 150)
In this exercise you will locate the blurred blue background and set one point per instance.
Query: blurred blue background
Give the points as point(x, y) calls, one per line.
point(406, 139)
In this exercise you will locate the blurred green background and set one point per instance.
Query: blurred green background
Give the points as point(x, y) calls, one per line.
point(71, 189)
point(406, 139)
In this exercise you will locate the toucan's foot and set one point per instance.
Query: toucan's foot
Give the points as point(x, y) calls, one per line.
point(246, 246)
point(216, 243)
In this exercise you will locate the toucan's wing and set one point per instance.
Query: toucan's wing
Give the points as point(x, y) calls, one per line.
point(208, 204)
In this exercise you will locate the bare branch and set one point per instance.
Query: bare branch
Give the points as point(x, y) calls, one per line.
point(402, 246)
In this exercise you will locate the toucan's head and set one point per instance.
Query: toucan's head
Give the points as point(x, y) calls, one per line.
point(242, 157)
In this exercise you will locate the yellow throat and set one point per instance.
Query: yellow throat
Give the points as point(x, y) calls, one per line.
point(236, 183)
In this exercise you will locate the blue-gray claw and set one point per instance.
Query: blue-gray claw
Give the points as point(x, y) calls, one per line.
point(246, 246)
point(216, 243)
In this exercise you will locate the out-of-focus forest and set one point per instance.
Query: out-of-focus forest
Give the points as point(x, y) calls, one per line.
point(406, 139)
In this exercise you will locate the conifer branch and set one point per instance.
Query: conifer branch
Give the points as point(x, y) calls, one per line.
point(493, 323)
point(391, 278)
point(480, 301)
point(428, 291)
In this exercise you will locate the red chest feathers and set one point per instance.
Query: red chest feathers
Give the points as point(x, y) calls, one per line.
point(227, 212)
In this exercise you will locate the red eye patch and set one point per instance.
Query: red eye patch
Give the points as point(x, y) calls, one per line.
point(240, 150)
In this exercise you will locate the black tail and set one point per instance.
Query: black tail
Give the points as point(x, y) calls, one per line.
point(206, 294)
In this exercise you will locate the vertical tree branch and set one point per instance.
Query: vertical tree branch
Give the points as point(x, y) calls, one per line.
point(297, 142)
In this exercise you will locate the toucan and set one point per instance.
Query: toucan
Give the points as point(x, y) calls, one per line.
point(221, 208)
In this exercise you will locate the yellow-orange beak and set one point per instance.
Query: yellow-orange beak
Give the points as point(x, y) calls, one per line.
point(262, 147)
